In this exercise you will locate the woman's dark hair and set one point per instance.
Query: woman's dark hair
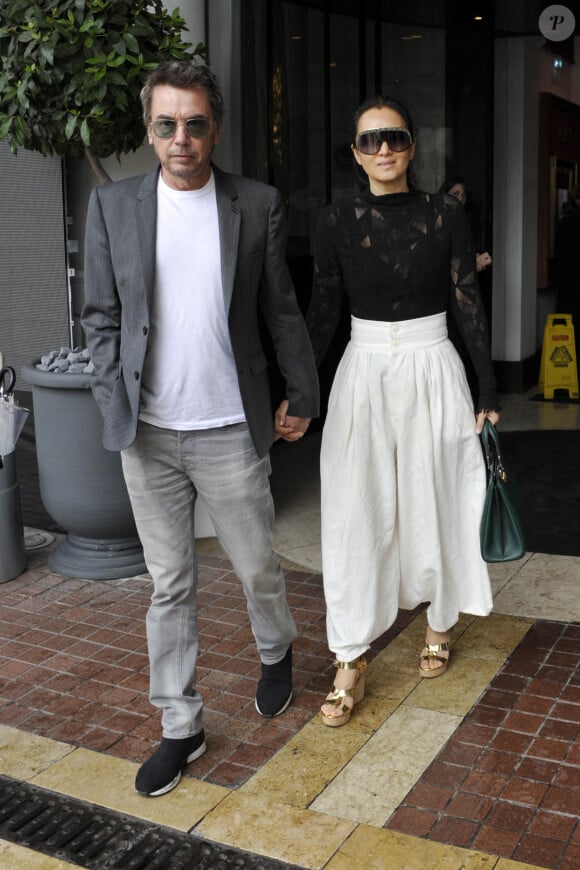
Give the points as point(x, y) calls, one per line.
point(183, 74)
point(379, 102)
point(451, 182)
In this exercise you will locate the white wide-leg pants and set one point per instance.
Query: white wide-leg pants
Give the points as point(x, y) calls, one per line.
point(403, 485)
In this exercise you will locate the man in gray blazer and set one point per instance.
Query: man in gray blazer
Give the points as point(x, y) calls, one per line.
point(178, 265)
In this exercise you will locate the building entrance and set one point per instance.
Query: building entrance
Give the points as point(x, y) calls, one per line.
point(306, 67)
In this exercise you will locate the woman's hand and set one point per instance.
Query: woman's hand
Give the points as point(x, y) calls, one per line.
point(482, 416)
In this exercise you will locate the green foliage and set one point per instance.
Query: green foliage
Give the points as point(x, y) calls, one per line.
point(71, 71)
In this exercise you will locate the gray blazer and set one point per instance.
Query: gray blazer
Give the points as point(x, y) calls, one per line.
point(119, 286)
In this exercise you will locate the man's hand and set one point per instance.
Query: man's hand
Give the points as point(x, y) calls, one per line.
point(289, 428)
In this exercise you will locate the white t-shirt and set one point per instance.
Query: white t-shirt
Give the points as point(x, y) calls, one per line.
point(189, 376)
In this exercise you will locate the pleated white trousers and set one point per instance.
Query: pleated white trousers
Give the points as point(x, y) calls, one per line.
point(403, 484)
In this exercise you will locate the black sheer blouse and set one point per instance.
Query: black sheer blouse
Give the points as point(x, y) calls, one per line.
point(398, 257)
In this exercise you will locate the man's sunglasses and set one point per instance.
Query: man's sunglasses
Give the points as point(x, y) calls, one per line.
point(166, 128)
point(370, 141)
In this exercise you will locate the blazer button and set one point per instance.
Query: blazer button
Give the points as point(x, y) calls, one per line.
point(145, 330)
point(136, 374)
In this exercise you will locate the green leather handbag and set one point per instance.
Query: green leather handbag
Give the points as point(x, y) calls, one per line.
point(501, 530)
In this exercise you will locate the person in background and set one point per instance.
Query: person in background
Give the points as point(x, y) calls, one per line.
point(402, 472)
point(457, 187)
point(567, 257)
point(179, 263)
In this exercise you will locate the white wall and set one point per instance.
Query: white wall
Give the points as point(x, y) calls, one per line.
point(515, 196)
point(224, 41)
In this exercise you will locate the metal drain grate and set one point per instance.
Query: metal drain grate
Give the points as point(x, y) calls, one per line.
point(95, 837)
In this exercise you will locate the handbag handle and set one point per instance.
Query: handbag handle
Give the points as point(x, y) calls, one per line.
point(490, 441)
point(9, 375)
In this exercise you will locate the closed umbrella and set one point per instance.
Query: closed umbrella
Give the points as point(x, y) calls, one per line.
point(12, 415)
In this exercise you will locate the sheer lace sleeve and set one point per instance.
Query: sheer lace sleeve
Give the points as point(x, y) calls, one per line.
point(327, 291)
point(466, 302)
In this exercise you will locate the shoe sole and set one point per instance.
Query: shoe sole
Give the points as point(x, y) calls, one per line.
point(432, 673)
point(273, 715)
point(335, 721)
point(197, 753)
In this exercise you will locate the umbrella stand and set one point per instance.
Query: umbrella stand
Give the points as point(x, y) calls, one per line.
point(13, 558)
point(12, 415)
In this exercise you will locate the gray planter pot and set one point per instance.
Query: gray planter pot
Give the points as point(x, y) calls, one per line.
point(81, 484)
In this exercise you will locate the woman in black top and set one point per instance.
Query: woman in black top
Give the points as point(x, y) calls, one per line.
point(402, 472)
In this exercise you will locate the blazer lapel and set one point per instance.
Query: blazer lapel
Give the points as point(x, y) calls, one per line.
point(229, 218)
point(146, 217)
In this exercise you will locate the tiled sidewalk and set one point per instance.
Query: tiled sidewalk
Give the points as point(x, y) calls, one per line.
point(508, 780)
point(74, 666)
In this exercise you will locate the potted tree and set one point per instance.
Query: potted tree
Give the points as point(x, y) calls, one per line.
point(71, 72)
point(70, 76)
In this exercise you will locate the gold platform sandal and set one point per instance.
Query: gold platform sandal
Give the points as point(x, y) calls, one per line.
point(431, 651)
point(338, 697)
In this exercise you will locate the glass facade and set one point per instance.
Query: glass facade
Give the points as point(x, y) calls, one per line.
point(307, 65)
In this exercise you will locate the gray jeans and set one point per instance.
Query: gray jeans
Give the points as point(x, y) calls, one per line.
point(165, 470)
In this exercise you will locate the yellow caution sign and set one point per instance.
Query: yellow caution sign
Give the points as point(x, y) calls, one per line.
point(558, 369)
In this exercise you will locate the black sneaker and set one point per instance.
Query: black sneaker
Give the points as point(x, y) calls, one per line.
point(274, 691)
point(162, 771)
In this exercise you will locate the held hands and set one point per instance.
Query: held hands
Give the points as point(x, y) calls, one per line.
point(481, 417)
point(289, 428)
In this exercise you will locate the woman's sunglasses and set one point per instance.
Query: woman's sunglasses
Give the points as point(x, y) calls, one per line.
point(370, 141)
point(165, 128)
